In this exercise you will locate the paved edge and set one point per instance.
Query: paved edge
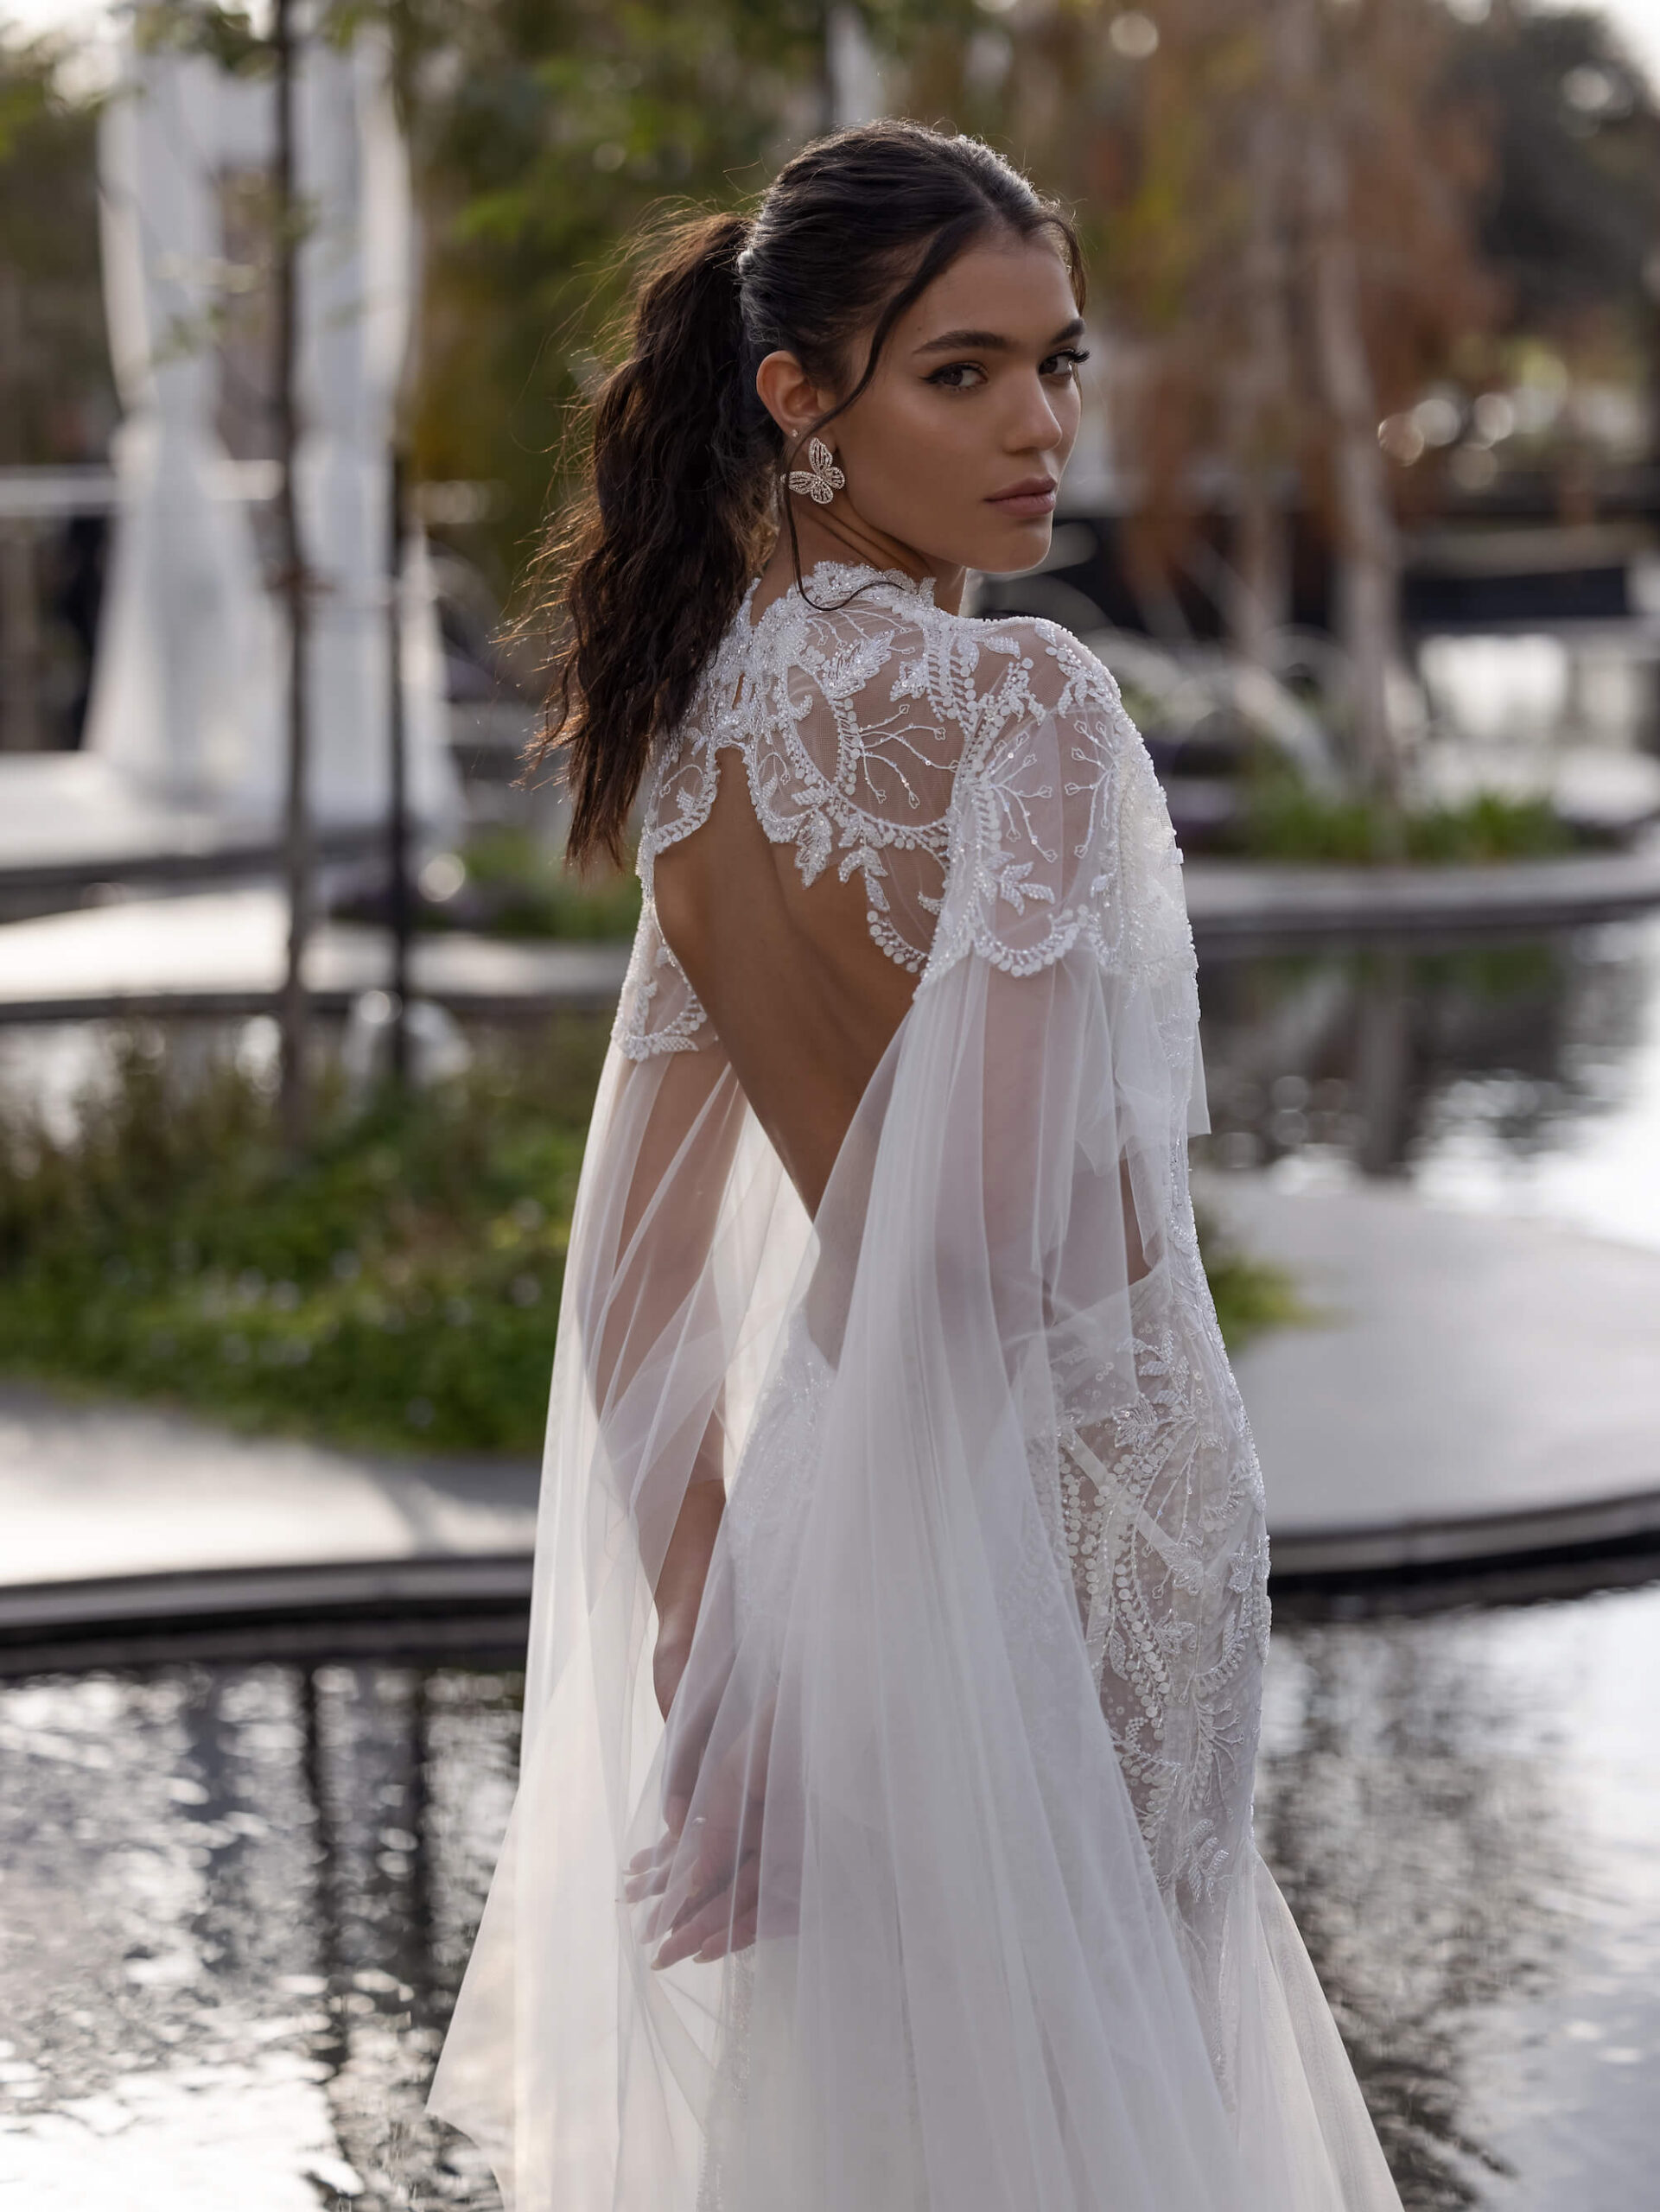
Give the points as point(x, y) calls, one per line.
point(1244, 907)
point(160, 1006)
point(1424, 1549)
point(478, 1605)
point(472, 1605)
point(1236, 909)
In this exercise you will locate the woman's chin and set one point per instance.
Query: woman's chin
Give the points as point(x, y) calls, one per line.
point(1020, 546)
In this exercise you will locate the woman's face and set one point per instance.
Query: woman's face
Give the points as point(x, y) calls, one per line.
point(956, 446)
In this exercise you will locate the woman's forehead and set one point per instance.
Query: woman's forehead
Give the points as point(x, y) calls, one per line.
point(1009, 291)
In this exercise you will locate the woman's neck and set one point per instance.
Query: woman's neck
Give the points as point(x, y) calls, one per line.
point(839, 533)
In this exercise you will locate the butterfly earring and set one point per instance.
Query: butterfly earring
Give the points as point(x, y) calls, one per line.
point(823, 480)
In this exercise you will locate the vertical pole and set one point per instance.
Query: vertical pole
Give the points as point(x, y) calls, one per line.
point(298, 856)
point(21, 646)
point(398, 812)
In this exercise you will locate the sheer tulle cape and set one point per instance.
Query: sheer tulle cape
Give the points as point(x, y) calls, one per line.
point(941, 1965)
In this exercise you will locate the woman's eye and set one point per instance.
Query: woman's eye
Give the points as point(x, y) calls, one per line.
point(1065, 364)
point(955, 376)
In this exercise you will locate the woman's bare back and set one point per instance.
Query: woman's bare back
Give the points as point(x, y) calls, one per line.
point(803, 1000)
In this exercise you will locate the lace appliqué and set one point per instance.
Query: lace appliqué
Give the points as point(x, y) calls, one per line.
point(1163, 1530)
point(914, 748)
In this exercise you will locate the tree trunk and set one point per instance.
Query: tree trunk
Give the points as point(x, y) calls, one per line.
point(398, 811)
point(298, 845)
point(1368, 560)
point(1259, 594)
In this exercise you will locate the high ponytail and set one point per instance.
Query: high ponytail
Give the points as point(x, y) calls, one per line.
point(685, 490)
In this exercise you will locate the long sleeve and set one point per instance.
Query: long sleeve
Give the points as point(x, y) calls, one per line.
point(685, 1240)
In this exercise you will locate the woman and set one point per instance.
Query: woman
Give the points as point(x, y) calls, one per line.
point(883, 1839)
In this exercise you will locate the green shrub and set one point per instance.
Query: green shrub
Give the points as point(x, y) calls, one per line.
point(1284, 820)
point(1250, 1294)
point(519, 889)
point(401, 1286)
point(399, 1289)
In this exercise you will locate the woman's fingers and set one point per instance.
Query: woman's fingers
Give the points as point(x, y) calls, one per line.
point(694, 1879)
point(739, 1932)
point(710, 1926)
point(738, 1937)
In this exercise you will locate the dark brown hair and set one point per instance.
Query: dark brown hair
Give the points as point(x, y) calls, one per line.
point(685, 492)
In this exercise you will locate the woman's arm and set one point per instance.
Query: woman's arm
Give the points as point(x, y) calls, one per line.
point(651, 1315)
point(680, 1583)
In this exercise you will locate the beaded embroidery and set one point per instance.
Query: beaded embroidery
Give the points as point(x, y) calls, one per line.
point(915, 747)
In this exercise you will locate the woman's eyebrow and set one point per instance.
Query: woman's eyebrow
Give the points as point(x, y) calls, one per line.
point(993, 341)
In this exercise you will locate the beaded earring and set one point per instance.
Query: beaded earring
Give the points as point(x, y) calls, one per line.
point(822, 480)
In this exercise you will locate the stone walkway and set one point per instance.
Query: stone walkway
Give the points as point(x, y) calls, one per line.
point(1246, 905)
point(222, 952)
point(1473, 1384)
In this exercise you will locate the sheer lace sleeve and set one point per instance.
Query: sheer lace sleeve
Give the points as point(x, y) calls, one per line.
point(1061, 835)
point(657, 1011)
point(1065, 893)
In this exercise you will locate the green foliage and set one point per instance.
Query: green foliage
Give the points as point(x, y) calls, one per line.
point(1285, 821)
point(398, 1288)
point(521, 890)
point(54, 364)
point(545, 132)
point(1573, 203)
point(1251, 1295)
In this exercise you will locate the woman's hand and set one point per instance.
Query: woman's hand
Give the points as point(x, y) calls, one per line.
point(705, 1869)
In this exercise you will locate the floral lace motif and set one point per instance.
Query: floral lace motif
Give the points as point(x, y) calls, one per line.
point(1164, 1533)
point(981, 778)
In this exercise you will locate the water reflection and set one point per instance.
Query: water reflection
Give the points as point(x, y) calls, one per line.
point(1524, 1076)
point(1404, 1802)
point(237, 1901)
point(236, 1905)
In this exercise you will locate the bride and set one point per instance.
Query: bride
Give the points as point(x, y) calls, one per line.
point(883, 1834)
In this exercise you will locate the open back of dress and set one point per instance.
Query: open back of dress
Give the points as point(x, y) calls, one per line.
point(960, 1767)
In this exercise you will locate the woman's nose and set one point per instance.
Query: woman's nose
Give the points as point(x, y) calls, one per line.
point(1034, 426)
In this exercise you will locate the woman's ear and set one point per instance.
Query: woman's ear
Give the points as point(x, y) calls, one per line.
point(790, 396)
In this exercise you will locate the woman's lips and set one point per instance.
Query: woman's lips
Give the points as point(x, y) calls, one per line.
point(1035, 497)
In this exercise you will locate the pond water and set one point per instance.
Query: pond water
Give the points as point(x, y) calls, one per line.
point(237, 1899)
point(1519, 1077)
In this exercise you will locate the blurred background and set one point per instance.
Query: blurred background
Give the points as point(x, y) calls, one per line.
point(301, 1015)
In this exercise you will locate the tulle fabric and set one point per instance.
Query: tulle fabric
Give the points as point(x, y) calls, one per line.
point(954, 1794)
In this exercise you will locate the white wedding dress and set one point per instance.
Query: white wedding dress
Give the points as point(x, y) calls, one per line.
point(968, 1724)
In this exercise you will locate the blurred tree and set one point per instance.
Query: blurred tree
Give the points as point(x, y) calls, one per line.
point(1280, 195)
point(1571, 212)
point(545, 131)
point(56, 397)
point(1571, 219)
